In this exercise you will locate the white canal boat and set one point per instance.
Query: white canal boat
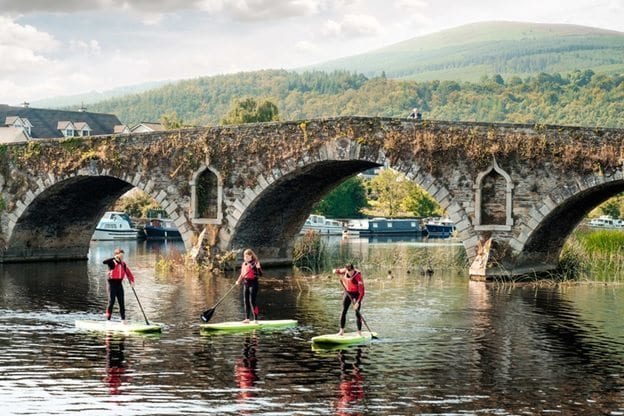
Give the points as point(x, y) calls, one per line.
point(115, 225)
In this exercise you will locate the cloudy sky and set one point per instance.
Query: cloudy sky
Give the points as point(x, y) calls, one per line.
point(66, 47)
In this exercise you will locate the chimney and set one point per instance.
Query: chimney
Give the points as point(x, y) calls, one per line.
point(25, 104)
point(82, 108)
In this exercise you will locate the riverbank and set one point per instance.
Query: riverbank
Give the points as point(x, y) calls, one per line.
point(594, 255)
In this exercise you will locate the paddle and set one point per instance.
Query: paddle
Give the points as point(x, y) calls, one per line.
point(361, 316)
point(139, 302)
point(207, 314)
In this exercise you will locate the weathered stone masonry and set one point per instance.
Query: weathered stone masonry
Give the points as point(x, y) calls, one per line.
point(526, 187)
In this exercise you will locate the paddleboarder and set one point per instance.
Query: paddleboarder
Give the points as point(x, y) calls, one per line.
point(250, 271)
point(117, 270)
point(354, 293)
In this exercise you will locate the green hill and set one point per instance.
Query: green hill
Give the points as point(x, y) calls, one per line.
point(577, 98)
point(468, 52)
point(490, 72)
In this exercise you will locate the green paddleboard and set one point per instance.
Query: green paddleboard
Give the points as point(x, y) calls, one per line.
point(240, 326)
point(349, 338)
point(116, 326)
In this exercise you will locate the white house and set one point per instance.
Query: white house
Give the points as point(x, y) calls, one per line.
point(82, 128)
point(67, 128)
point(13, 135)
point(20, 123)
point(147, 127)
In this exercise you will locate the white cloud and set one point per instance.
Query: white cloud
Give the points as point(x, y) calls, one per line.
point(242, 10)
point(24, 36)
point(305, 46)
point(411, 5)
point(91, 47)
point(353, 25)
point(270, 9)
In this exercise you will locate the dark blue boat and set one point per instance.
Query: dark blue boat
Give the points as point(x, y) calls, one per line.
point(384, 226)
point(440, 228)
point(161, 229)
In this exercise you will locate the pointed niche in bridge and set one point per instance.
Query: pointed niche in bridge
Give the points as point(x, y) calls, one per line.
point(206, 196)
point(493, 200)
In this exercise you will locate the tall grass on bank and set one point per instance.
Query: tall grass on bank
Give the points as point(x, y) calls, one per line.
point(594, 255)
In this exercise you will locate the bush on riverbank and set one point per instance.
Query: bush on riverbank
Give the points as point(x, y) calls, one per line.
point(594, 255)
point(310, 252)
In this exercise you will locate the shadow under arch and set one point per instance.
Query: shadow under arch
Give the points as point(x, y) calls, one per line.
point(271, 222)
point(59, 223)
point(547, 240)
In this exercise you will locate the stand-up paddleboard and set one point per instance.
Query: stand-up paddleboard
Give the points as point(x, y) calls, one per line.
point(116, 326)
point(240, 326)
point(349, 338)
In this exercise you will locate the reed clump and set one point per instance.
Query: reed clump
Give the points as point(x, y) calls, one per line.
point(310, 252)
point(594, 256)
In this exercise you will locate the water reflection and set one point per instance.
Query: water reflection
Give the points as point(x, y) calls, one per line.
point(447, 345)
point(351, 387)
point(116, 364)
point(245, 373)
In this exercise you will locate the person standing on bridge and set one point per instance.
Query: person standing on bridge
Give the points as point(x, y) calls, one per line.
point(353, 284)
point(250, 272)
point(117, 270)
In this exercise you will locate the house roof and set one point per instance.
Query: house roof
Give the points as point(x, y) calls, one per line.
point(63, 125)
point(12, 135)
point(148, 125)
point(121, 128)
point(10, 120)
point(81, 125)
point(45, 121)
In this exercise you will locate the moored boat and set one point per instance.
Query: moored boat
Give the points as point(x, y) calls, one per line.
point(385, 226)
point(322, 225)
point(115, 225)
point(440, 227)
point(607, 222)
point(161, 229)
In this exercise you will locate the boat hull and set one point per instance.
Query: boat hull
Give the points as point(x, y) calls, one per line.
point(110, 235)
point(159, 233)
point(439, 231)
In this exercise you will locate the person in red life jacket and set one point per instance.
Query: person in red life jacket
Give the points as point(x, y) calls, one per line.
point(250, 271)
point(354, 293)
point(117, 270)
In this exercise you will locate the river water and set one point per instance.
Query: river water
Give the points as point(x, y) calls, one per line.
point(446, 345)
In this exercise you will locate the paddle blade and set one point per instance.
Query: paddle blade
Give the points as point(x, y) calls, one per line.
point(207, 314)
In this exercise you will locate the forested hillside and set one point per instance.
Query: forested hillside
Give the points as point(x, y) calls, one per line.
point(576, 98)
point(511, 49)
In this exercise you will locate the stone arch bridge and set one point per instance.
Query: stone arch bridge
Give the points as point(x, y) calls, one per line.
point(515, 192)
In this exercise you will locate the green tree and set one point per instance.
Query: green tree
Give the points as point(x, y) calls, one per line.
point(171, 121)
point(135, 203)
point(247, 110)
point(390, 189)
point(611, 208)
point(420, 203)
point(345, 201)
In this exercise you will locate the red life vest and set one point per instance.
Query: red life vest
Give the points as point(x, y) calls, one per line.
point(251, 270)
point(119, 271)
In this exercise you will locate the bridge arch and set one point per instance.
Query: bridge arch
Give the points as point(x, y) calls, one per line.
point(270, 216)
point(551, 222)
point(56, 220)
